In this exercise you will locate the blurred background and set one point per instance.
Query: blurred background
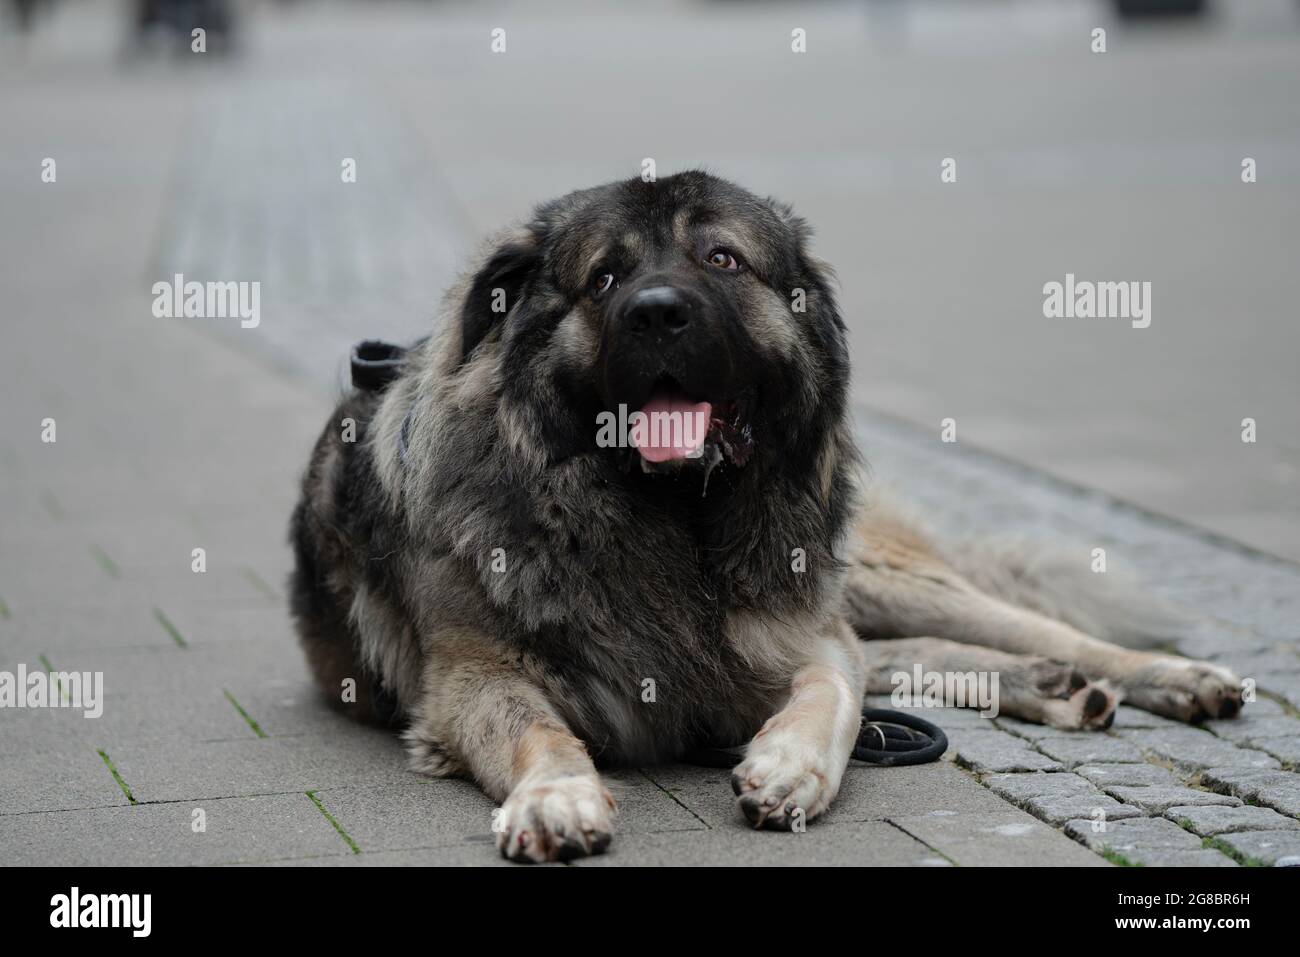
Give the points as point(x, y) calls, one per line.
point(1122, 166)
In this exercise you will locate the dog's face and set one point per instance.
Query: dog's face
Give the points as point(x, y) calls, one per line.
point(690, 301)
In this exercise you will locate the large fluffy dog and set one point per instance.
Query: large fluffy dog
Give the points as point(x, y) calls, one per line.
point(530, 593)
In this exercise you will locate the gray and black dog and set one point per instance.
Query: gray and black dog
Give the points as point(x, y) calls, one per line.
point(608, 512)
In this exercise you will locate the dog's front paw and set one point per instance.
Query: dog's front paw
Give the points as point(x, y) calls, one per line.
point(1184, 689)
point(556, 820)
point(784, 780)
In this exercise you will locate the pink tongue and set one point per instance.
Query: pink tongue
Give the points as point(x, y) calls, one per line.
point(664, 437)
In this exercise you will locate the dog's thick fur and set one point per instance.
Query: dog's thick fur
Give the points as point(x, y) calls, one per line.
point(528, 604)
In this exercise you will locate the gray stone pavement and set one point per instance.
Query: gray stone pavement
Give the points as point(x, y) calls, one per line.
point(175, 435)
point(209, 709)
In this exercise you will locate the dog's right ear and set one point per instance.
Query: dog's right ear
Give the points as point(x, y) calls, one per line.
point(497, 286)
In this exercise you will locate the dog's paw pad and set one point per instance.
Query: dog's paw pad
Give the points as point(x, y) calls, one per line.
point(1090, 708)
point(1097, 705)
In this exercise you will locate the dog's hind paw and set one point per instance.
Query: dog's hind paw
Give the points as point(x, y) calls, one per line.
point(556, 820)
point(1184, 689)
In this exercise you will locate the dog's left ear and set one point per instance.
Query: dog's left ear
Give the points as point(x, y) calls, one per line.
point(794, 222)
point(497, 286)
point(818, 269)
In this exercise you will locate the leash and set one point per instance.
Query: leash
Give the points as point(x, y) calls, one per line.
point(904, 738)
point(887, 737)
point(376, 363)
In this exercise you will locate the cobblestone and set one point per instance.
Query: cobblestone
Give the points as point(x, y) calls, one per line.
point(1150, 842)
point(1140, 775)
point(1192, 749)
point(1208, 821)
point(1159, 798)
point(1092, 749)
point(1270, 848)
point(1057, 798)
point(987, 752)
point(1279, 790)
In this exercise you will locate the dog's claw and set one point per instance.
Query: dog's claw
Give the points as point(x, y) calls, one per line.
point(557, 820)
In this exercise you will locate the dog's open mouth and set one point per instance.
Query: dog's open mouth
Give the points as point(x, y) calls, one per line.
point(676, 428)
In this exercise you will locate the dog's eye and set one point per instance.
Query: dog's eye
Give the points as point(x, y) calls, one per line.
point(602, 283)
point(722, 259)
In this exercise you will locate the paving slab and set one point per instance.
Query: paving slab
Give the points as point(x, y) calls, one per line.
point(1285, 686)
point(246, 829)
point(1254, 725)
point(59, 779)
point(858, 844)
point(472, 853)
point(1286, 749)
point(1057, 798)
point(990, 752)
point(177, 718)
point(643, 805)
point(1210, 820)
point(1147, 842)
point(1193, 749)
point(290, 705)
point(424, 813)
point(346, 756)
point(1279, 790)
point(1157, 799)
point(33, 731)
point(60, 630)
point(1008, 838)
point(873, 793)
point(1205, 857)
point(1094, 749)
point(1269, 848)
point(1141, 775)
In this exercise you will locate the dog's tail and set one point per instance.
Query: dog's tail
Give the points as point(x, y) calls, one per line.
point(1108, 605)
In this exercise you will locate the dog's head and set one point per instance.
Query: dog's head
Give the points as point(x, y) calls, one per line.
point(673, 325)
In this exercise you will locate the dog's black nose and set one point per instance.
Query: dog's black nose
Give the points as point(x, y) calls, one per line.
point(660, 312)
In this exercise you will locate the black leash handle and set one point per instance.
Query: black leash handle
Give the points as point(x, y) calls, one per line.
point(902, 738)
point(887, 737)
point(375, 364)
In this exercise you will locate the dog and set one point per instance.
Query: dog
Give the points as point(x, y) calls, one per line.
point(488, 563)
